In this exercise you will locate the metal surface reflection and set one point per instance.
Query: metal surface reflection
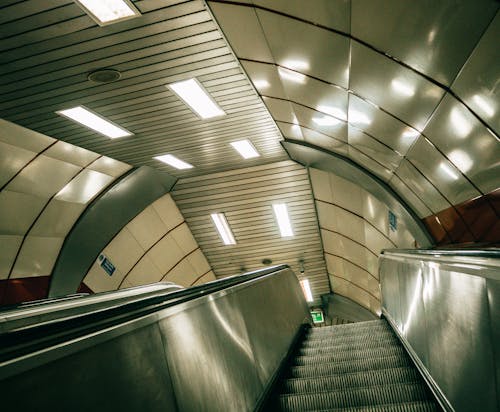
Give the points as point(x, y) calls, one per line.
point(446, 315)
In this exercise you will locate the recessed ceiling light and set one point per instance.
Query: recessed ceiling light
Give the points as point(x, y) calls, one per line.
point(173, 161)
point(291, 75)
point(105, 12)
point(197, 98)
point(94, 121)
point(223, 228)
point(325, 121)
point(306, 289)
point(284, 224)
point(245, 148)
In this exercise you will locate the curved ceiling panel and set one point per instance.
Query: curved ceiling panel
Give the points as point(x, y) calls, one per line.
point(382, 89)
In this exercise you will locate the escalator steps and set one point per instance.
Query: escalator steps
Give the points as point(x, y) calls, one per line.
point(357, 379)
point(349, 366)
point(399, 407)
point(338, 356)
point(373, 395)
point(354, 345)
point(356, 367)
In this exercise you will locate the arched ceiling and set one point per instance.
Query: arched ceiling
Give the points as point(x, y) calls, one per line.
point(408, 90)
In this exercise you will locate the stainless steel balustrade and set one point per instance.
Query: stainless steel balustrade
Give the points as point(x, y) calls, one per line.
point(446, 307)
point(211, 351)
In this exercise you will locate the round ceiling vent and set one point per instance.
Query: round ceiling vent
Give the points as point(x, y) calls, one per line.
point(266, 261)
point(104, 76)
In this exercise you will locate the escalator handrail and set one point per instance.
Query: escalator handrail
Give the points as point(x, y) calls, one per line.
point(482, 253)
point(19, 342)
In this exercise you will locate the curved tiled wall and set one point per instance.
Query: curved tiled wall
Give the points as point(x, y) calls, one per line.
point(156, 245)
point(354, 229)
point(45, 185)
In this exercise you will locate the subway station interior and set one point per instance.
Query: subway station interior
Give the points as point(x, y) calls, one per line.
point(250, 205)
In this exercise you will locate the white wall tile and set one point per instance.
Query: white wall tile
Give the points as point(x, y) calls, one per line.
point(20, 136)
point(10, 245)
point(147, 227)
point(12, 160)
point(18, 211)
point(37, 256)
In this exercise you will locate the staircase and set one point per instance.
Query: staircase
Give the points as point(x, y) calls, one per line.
point(356, 367)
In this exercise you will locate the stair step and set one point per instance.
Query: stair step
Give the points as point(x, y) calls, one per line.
point(398, 407)
point(312, 334)
point(349, 346)
point(350, 355)
point(349, 380)
point(373, 395)
point(350, 327)
point(349, 366)
point(369, 334)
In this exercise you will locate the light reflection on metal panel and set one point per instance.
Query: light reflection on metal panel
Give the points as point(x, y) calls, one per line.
point(442, 312)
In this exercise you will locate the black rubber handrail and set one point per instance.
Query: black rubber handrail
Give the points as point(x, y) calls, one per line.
point(484, 253)
point(26, 340)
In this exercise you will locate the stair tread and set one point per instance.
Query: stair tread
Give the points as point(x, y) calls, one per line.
point(350, 346)
point(353, 379)
point(357, 396)
point(349, 355)
point(421, 406)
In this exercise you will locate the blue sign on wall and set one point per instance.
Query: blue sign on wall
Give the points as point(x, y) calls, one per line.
point(393, 221)
point(106, 264)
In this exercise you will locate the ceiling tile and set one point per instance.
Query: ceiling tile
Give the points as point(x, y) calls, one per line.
point(435, 37)
point(392, 87)
point(12, 160)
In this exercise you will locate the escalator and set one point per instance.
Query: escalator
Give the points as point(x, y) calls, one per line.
point(246, 343)
point(352, 367)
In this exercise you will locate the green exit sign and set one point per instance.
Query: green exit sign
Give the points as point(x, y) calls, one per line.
point(317, 316)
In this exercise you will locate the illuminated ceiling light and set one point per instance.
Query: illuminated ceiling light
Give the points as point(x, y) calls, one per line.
point(284, 224)
point(196, 97)
point(291, 75)
point(459, 123)
point(403, 88)
point(245, 148)
point(105, 12)
point(261, 84)
point(95, 122)
point(325, 121)
point(358, 117)
point(461, 160)
point(306, 289)
point(296, 64)
point(173, 161)
point(223, 228)
point(448, 171)
point(334, 111)
point(484, 105)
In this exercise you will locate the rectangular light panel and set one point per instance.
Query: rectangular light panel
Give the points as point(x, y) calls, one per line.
point(223, 228)
point(195, 96)
point(173, 161)
point(281, 213)
point(95, 122)
point(307, 290)
point(105, 12)
point(245, 148)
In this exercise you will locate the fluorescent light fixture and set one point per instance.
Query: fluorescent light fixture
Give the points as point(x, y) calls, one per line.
point(245, 148)
point(306, 289)
point(223, 228)
point(484, 105)
point(291, 75)
point(173, 161)
point(296, 64)
point(105, 12)
point(448, 171)
point(334, 111)
point(403, 88)
point(197, 98)
point(95, 122)
point(358, 117)
point(325, 121)
point(261, 84)
point(281, 213)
